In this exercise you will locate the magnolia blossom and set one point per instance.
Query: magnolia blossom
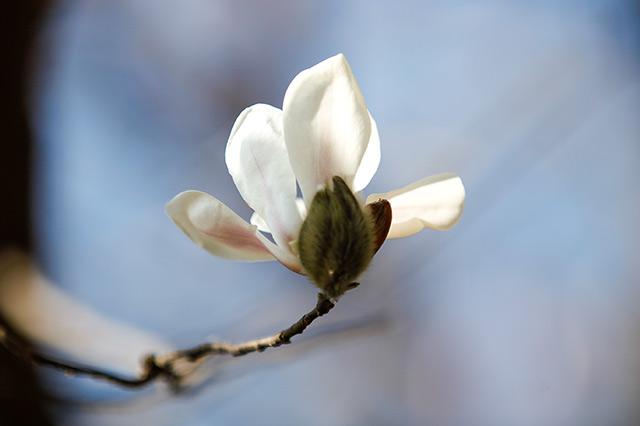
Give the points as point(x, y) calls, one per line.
point(324, 130)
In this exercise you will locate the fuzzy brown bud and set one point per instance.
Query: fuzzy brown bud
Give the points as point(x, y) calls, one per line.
point(337, 239)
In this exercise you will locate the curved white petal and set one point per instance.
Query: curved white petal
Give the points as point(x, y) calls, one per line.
point(370, 159)
point(435, 202)
point(326, 125)
point(257, 160)
point(216, 228)
point(263, 226)
point(259, 222)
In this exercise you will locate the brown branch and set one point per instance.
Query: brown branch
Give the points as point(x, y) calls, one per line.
point(166, 366)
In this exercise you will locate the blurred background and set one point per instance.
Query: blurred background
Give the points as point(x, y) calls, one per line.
point(526, 313)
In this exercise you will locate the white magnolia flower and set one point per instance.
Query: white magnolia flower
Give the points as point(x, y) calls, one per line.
point(324, 130)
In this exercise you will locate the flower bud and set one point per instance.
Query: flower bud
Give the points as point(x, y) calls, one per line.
point(337, 239)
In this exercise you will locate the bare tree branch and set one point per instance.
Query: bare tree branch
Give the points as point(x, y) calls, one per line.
point(175, 366)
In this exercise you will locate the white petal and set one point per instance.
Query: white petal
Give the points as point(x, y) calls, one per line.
point(370, 159)
point(435, 202)
point(259, 164)
point(259, 222)
point(216, 228)
point(44, 314)
point(326, 125)
point(263, 226)
point(302, 208)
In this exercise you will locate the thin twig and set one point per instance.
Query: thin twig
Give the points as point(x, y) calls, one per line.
point(150, 372)
point(166, 366)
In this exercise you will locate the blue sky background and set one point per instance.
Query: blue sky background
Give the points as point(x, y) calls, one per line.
point(524, 314)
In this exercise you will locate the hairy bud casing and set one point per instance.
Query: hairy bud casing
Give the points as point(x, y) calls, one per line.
point(337, 239)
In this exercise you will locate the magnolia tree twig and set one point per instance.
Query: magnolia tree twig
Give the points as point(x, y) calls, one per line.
point(168, 366)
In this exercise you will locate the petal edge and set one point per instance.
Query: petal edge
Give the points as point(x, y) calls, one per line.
point(215, 227)
point(435, 202)
point(370, 159)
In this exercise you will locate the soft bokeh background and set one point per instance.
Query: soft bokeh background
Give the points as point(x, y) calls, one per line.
point(525, 314)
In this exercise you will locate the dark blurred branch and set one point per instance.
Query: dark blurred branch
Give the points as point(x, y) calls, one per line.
point(20, 395)
point(171, 366)
point(19, 24)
